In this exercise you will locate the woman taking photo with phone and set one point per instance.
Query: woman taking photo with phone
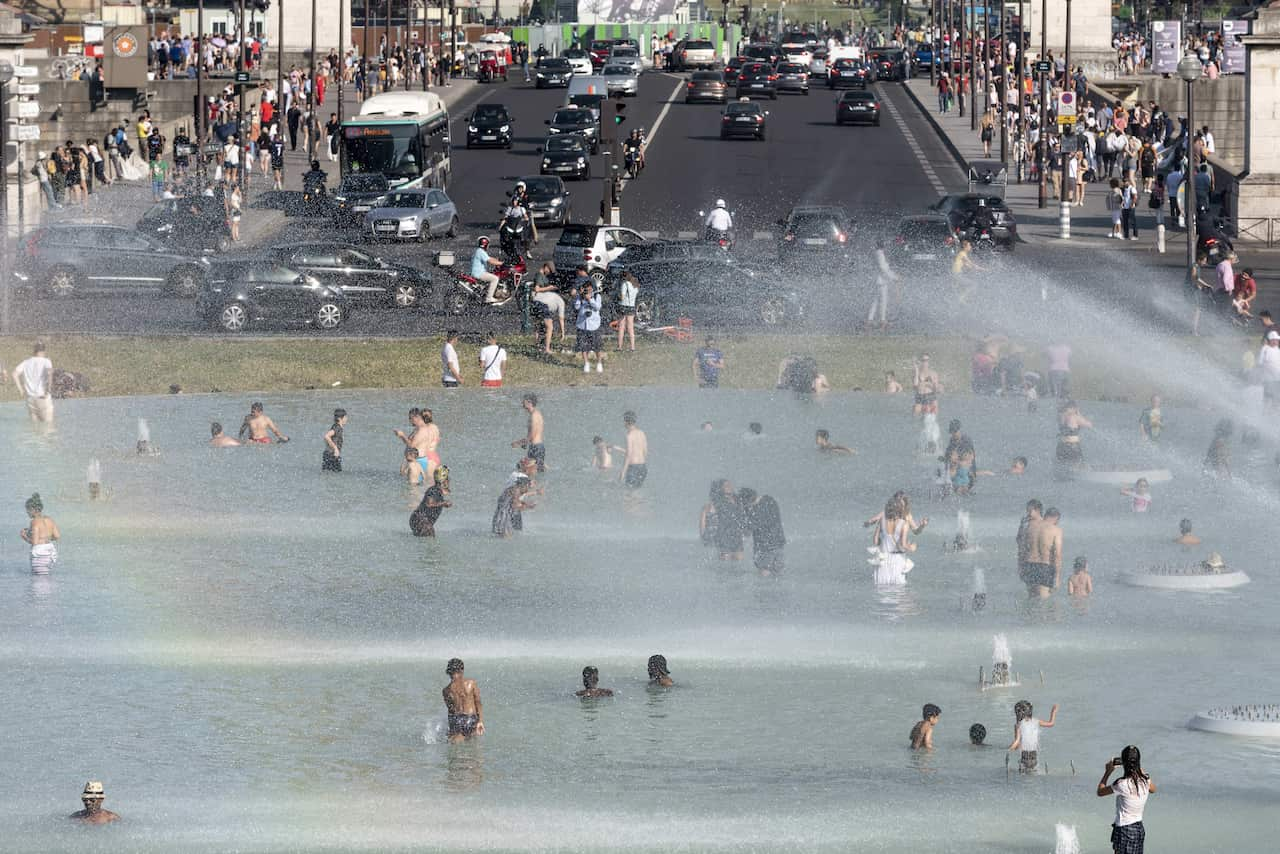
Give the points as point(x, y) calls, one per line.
point(1131, 790)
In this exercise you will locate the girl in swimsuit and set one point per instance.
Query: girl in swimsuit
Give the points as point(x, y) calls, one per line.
point(42, 535)
point(1070, 422)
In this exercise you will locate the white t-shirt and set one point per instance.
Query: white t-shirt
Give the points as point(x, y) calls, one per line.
point(36, 373)
point(1268, 362)
point(492, 358)
point(1029, 735)
point(448, 363)
point(1131, 800)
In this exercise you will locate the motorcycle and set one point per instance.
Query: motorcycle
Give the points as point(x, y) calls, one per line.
point(315, 196)
point(633, 163)
point(467, 291)
point(723, 239)
point(513, 236)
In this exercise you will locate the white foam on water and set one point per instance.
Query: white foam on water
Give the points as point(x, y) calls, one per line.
point(979, 581)
point(1067, 841)
point(1000, 650)
point(93, 474)
point(144, 431)
point(437, 730)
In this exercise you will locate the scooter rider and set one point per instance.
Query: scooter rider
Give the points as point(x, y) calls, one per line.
point(980, 218)
point(480, 264)
point(633, 146)
point(520, 207)
point(313, 181)
point(719, 223)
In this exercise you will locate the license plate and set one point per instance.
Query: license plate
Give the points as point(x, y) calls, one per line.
point(563, 168)
point(360, 208)
point(757, 85)
point(815, 241)
point(924, 256)
point(744, 119)
point(488, 138)
point(384, 228)
point(848, 74)
point(862, 107)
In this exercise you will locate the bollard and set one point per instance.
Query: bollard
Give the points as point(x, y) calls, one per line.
point(1160, 237)
point(1064, 220)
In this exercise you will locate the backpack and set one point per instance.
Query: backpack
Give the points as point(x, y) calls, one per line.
point(1156, 200)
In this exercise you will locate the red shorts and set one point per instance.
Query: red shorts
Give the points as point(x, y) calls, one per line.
point(261, 440)
point(491, 383)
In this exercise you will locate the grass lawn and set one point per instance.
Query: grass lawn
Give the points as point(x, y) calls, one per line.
point(139, 366)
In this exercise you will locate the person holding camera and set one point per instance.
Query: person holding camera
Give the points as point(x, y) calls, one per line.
point(1131, 790)
point(586, 305)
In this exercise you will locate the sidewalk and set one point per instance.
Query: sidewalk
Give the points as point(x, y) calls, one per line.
point(1090, 223)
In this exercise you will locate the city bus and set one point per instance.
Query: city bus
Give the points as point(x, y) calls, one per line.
point(401, 135)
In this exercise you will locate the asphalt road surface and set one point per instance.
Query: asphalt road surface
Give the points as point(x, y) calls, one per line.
point(877, 173)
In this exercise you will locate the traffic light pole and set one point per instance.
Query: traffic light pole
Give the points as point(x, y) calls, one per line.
point(611, 119)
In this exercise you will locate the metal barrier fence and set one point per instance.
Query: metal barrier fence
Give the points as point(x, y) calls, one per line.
point(1258, 229)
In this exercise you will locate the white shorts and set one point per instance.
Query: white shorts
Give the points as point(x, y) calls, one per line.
point(40, 408)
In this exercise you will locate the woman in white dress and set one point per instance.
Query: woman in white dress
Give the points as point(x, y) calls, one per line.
point(889, 554)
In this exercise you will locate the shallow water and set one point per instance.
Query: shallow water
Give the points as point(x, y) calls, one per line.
point(250, 653)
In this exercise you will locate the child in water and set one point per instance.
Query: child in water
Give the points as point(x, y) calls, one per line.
point(1026, 734)
point(1151, 421)
point(331, 459)
point(1081, 582)
point(601, 458)
point(922, 732)
point(822, 439)
point(409, 468)
point(891, 384)
point(42, 535)
point(423, 520)
point(1140, 494)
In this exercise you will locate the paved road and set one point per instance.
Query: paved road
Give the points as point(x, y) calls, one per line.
point(878, 173)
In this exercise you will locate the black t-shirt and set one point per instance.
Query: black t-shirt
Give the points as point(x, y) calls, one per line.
point(425, 511)
point(765, 518)
point(277, 154)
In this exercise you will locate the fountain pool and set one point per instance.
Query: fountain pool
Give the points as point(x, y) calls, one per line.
point(250, 654)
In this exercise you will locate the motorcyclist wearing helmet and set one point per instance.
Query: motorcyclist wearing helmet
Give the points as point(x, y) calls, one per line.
point(519, 208)
point(313, 180)
point(633, 146)
point(480, 264)
point(981, 217)
point(719, 222)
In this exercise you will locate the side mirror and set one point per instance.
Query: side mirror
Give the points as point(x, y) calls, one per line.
point(445, 141)
point(546, 121)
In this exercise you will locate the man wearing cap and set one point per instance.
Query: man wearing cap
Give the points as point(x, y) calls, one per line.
point(462, 702)
point(92, 798)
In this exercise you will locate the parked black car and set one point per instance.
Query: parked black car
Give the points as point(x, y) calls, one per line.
point(65, 259)
point(366, 280)
point(958, 208)
point(245, 292)
point(358, 194)
point(858, 106)
point(490, 124)
point(548, 199)
point(703, 282)
point(191, 223)
point(552, 71)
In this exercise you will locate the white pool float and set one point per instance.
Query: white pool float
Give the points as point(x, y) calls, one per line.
point(1191, 579)
point(1256, 720)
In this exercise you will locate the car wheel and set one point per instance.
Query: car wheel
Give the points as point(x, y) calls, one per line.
point(328, 315)
point(456, 302)
point(646, 310)
point(724, 136)
point(185, 282)
point(406, 296)
point(468, 145)
point(453, 228)
point(586, 175)
point(773, 311)
point(876, 123)
point(63, 282)
point(839, 120)
point(424, 232)
point(233, 317)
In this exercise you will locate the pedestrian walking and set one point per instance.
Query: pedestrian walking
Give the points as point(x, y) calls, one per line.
point(1129, 210)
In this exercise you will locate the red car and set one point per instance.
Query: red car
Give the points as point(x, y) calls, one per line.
point(599, 51)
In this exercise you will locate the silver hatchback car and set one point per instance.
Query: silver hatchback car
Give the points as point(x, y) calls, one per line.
point(628, 56)
point(412, 215)
point(620, 78)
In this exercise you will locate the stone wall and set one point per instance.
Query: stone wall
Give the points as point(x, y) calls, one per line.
point(1090, 29)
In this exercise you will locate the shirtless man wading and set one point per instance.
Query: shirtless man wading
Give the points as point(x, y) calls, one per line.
point(532, 441)
point(1044, 556)
point(257, 425)
point(424, 439)
point(462, 702)
point(635, 469)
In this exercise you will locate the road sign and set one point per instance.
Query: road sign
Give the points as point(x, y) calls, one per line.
point(1044, 66)
point(242, 77)
point(28, 88)
point(28, 133)
point(212, 148)
point(1066, 104)
point(28, 109)
point(25, 71)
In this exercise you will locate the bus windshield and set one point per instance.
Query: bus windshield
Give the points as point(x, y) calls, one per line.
point(391, 150)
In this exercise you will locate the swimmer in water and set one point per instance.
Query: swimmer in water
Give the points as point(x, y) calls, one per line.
point(635, 465)
point(409, 468)
point(707, 427)
point(462, 702)
point(822, 439)
point(331, 458)
point(978, 735)
point(1080, 584)
point(754, 429)
point(1044, 556)
point(590, 681)
point(93, 812)
point(42, 535)
point(532, 441)
point(424, 440)
point(220, 439)
point(922, 732)
point(1150, 421)
point(891, 384)
point(902, 501)
point(659, 675)
point(1140, 494)
point(1185, 537)
point(601, 455)
point(927, 388)
point(258, 426)
point(422, 522)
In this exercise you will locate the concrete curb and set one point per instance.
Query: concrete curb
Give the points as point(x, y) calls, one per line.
point(937, 129)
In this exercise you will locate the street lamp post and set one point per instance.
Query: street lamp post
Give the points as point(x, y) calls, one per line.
point(1003, 90)
point(1189, 69)
point(1064, 198)
point(1042, 86)
point(6, 74)
point(973, 64)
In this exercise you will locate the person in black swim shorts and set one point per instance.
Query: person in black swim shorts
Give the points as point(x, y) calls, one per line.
point(462, 702)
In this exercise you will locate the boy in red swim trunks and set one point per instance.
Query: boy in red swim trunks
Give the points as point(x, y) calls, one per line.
point(258, 425)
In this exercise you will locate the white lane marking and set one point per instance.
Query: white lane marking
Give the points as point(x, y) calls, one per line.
point(762, 235)
point(915, 148)
point(651, 235)
point(686, 235)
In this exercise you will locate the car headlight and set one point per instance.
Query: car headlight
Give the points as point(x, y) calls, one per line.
point(504, 128)
point(541, 76)
point(408, 220)
point(546, 161)
point(314, 283)
point(342, 200)
point(553, 130)
point(556, 201)
point(582, 161)
point(472, 129)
